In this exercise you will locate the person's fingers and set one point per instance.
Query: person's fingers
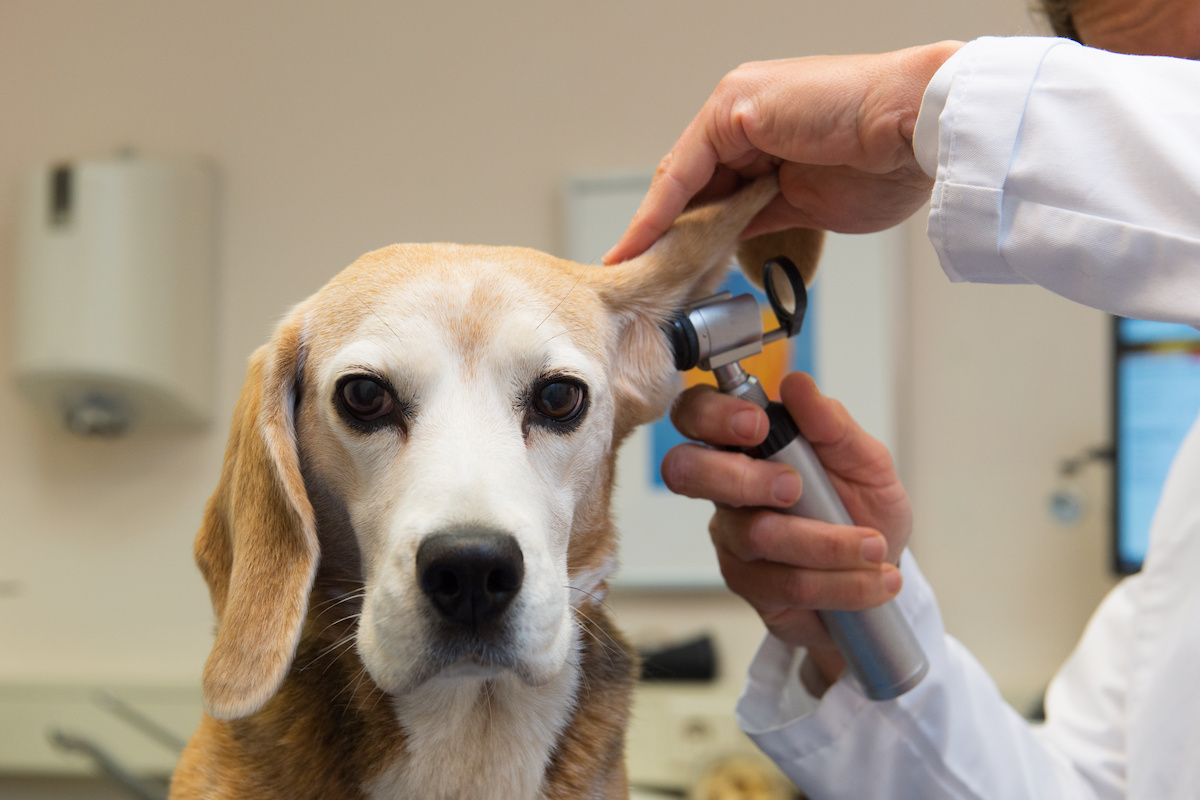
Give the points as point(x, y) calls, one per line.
point(822, 420)
point(860, 466)
point(778, 215)
point(772, 587)
point(714, 137)
point(683, 172)
point(728, 478)
point(704, 414)
point(841, 199)
point(765, 535)
point(724, 182)
point(856, 112)
point(839, 441)
point(798, 626)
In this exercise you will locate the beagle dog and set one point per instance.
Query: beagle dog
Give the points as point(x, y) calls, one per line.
point(408, 548)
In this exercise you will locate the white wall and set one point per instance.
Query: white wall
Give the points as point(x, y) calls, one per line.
point(338, 128)
point(1005, 383)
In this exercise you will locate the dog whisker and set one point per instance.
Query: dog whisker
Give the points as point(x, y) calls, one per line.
point(381, 694)
point(582, 272)
point(374, 313)
point(597, 627)
point(342, 691)
point(583, 678)
point(611, 648)
point(562, 333)
point(487, 698)
point(607, 649)
point(351, 616)
point(362, 673)
point(333, 602)
point(340, 644)
point(593, 596)
point(371, 688)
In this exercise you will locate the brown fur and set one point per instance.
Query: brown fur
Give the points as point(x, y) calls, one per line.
point(291, 710)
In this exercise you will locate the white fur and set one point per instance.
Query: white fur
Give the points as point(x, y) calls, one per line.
point(485, 739)
point(591, 583)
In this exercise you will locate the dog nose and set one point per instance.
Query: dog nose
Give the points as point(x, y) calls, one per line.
point(470, 575)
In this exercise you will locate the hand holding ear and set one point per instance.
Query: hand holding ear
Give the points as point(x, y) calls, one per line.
point(837, 130)
point(786, 566)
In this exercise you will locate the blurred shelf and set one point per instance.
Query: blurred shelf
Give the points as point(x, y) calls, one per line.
point(106, 715)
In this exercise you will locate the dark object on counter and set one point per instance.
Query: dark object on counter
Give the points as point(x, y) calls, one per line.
point(691, 660)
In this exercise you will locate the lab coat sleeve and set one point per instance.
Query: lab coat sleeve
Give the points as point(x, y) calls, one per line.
point(952, 736)
point(1068, 167)
point(1086, 717)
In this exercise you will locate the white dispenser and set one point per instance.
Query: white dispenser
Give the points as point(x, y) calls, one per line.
point(115, 293)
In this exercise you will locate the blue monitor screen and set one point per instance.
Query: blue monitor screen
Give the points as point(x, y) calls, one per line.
point(1157, 385)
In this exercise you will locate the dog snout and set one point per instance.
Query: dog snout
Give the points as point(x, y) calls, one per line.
point(470, 576)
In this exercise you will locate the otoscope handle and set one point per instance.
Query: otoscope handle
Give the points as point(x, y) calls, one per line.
point(879, 646)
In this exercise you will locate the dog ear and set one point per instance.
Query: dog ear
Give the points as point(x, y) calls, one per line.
point(257, 547)
point(801, 245)
point(686, 264)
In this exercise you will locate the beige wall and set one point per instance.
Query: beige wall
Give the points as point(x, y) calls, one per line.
point(1005, 382)
point(341, 127)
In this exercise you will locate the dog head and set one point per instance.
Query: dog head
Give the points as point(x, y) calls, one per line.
point(436, 429)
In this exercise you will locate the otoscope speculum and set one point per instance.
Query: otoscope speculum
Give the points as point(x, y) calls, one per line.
point(723, 329)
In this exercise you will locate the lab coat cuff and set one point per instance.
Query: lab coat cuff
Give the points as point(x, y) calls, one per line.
point(978, 130)
point(925, 134)
point(785, 720)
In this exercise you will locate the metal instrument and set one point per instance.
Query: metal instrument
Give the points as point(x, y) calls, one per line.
point(715, 334)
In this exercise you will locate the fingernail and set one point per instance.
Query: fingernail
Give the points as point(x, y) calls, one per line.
point(892, 580)
point(874, 548)
point(745, 423)
point(786, 488)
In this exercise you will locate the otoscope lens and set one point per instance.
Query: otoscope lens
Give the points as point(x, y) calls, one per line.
point(785, 290)
point(781, 285)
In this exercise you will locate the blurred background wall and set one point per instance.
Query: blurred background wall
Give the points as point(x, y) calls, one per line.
point(339, 128)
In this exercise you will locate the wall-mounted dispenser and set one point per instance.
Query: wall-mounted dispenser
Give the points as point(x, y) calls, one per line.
point(115, 293)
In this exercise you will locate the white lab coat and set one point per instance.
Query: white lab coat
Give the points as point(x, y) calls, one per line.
point(1078, 170)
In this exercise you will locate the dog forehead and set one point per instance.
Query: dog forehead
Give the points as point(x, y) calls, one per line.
point(460, 301)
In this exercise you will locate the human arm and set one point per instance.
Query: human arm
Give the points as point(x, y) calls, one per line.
point(838, 129)
point(1068, 167)
point(783, 565)
point(1055, 164)
point(951, 736)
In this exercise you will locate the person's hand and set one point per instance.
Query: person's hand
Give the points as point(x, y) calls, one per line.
point(837, 128)
point(786, 566)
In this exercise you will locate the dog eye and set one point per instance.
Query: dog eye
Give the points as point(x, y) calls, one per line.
point(366, 400)
point(560, 400)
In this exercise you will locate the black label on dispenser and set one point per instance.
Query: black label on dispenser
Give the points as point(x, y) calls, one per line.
point(62, 181)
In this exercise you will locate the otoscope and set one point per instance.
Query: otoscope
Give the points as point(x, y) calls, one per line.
point(715, 334)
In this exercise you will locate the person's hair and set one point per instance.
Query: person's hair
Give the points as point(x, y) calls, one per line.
point(1058, 12)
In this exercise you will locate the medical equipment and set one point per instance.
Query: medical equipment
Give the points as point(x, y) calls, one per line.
point(715, 334)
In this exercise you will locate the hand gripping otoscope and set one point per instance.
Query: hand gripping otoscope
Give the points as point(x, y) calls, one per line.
point(714, 334)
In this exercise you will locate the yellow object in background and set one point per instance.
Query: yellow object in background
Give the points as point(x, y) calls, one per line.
point(743, 778)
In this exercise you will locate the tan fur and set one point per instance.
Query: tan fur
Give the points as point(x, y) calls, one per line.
point(260, 513)
point(307, 543)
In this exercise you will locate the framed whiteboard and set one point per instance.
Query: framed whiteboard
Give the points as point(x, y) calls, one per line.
point(849, 346)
